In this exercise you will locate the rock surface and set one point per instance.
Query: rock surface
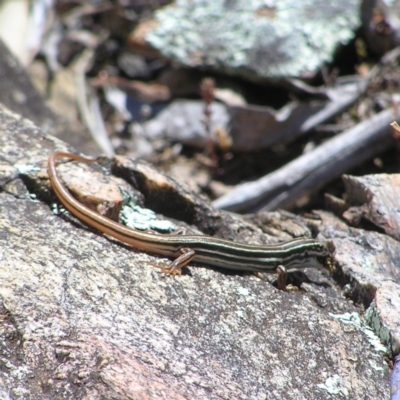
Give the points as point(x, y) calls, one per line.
point(255, 39)
point(18, 93)
point(84, 316)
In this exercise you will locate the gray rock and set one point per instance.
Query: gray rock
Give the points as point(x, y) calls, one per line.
point(381, 25)
point(18, 93)
point(256, 39)
point(83, 316)
point(133, 65)
point(182, 121)
point(252, 127)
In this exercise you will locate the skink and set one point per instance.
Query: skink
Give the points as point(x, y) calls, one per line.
point(182, 249)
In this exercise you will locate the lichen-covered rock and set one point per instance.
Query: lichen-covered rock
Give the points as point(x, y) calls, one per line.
point(256, 39)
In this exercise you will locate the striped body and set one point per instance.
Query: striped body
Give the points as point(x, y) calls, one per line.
point(207, 250)
point(291, 254)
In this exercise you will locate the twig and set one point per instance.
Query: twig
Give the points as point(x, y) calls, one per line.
point(207, 91)
point(313, 170)
point(89, 107)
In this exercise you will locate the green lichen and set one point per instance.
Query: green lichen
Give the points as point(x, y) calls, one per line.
point(136, 217)
point(371, 334)
point(373, 319)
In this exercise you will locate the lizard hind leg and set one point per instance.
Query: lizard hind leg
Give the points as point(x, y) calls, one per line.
point(175, 267)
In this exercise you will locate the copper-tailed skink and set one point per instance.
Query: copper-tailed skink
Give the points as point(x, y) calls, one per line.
point(182, 249)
